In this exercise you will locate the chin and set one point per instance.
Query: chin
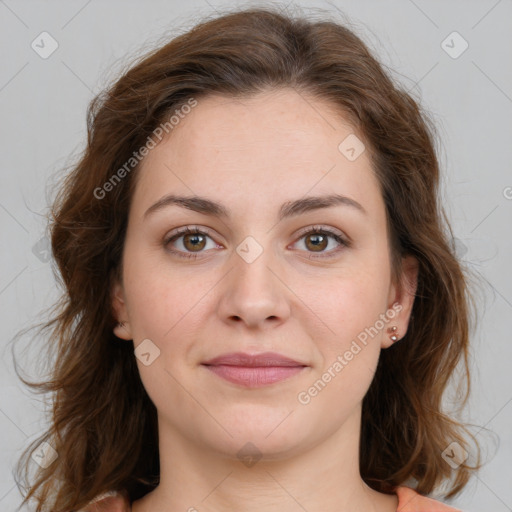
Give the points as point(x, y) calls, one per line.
point(272, 435)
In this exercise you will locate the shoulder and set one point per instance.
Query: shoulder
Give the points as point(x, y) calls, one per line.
point(410, 501)
point(111, 501)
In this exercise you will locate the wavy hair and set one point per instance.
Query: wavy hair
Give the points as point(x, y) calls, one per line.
point(103, 425)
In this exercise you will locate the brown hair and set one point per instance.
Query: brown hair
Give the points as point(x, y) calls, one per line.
point(103, 425)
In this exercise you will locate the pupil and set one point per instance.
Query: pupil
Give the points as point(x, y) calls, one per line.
point(194, 238)
point(318, 241)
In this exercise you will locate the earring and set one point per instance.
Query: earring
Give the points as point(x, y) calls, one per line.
point(121, 324)
point(393, 336)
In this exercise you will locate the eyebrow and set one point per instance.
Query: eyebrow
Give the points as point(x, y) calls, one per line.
point(288, 209)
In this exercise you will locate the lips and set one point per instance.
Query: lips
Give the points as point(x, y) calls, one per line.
point(254, 370)
point(248, 360)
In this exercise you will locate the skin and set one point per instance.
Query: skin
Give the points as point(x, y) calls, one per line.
point(310, 305)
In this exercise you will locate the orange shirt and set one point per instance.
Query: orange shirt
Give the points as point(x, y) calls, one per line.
point(408, 501)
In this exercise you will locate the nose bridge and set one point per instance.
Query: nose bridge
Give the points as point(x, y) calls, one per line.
point(253, 293)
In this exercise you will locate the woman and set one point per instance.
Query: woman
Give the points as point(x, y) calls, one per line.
point(262, 307)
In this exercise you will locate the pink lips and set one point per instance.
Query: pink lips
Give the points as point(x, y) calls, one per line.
point(253, 371)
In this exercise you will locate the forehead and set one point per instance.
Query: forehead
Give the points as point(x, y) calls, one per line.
point(281, 143)
point(287, 125)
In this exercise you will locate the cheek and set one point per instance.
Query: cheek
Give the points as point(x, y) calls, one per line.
point(350, 345)
point(339, 387)
point(351, 307)
point(350, 303)
point(160, 297)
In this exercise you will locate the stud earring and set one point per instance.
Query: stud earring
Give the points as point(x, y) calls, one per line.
point(393, 336)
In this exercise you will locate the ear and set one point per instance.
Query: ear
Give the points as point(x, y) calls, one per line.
point(403, 294)
point(122, 328)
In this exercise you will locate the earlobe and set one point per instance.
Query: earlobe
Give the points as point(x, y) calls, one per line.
point(404, 295)
point(122, 328)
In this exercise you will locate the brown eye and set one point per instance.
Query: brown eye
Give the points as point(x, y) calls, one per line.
point(322, 241)
point(189, 242)
point(194, 242)
point(316, 242)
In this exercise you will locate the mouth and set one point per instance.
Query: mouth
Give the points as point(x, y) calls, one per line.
point(253, 371)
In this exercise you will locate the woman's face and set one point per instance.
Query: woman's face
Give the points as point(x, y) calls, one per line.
point(255, 279)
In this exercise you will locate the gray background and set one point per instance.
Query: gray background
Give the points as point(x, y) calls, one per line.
point(43, 104)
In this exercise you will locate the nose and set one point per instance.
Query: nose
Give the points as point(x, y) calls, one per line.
point(254, 294)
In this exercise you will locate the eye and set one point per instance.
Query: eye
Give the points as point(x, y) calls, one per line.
point(317, 239)
point(190, 241)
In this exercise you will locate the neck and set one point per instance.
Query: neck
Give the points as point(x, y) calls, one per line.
point(323, 477)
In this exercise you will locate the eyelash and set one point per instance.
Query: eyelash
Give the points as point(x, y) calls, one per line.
point(314, 230)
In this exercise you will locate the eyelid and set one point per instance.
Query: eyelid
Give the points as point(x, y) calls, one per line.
point(190, 229)
point(320, 228)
